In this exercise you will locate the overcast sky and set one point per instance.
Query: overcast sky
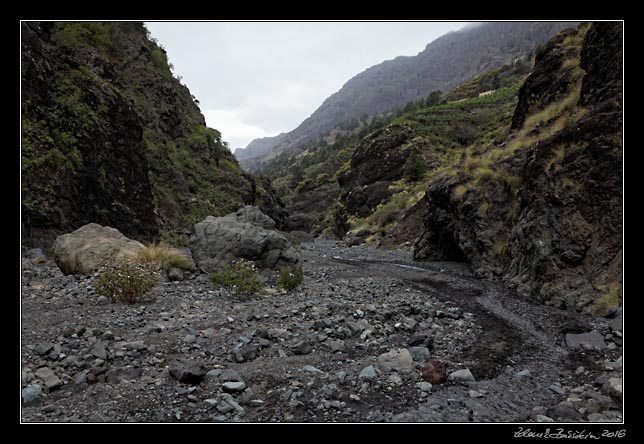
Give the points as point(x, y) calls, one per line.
point(260, 79)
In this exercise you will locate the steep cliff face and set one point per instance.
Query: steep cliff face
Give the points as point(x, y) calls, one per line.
point(83, 158)
point(442, 65)
point(111, 136)
point(567, 246)
point(547, 217)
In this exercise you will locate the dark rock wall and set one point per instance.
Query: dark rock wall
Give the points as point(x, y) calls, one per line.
point(560, 239)
point(108, 184)
point(567, 246)
point(111, 136)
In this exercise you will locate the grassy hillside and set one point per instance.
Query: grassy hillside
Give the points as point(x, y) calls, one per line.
point(325, 185)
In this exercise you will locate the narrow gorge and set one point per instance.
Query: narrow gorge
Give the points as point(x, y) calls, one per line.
point(424, 248)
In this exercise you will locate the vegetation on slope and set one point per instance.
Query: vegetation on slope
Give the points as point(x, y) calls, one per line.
point(111, 136)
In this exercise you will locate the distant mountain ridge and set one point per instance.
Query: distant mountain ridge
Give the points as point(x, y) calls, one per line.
point(258, 146)
point(443, 64)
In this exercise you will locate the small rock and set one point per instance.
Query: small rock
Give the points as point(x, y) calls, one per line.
point(311, 369)
point(543, 418)
point(278, 333)
point(395, 379)
point(341, 375)
point(175, 274)
point(616, 324)
point(48, 408)
point(597, 417)
point(590, 340)
point(230, 375)
point(302, 348)
point(421, 339)
point(557, 389)
point(135, 345)
point(564, 410)
point(80, 378)
point(190, 372)
point(409, 324)
point(229, 400)
point(234, 386)
point(463, 375)
point(238, 355)
point(250, 351)
point(435, 372)
point(32, 396)
point(97, 417)
point(614, 388)
point(214, 373)
point(98, 350)
point(579, 370)
point(190, 339)
point(424, 386)
point(43, 348)
point(44, 373)
point(36, 255)
point(337, 345)
point(420, 354)
point(116, 375)
point(523, 374)
point(475, 394)
point(368, 373)
point(397, 359)
point(224, 407)
point(354, 328)
point(616, 365)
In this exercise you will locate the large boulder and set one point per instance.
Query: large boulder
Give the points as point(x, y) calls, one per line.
point(254, 216)
point(90, 247)
point(217, 241)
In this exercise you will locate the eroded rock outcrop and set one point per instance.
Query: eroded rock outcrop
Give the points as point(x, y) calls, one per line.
point(548, 218)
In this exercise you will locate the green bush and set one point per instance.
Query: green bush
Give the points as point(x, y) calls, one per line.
point(290, 278)
point(415, 168)
point(322, 178)
point(240, 278)
point(305, 185)
point(127, 281)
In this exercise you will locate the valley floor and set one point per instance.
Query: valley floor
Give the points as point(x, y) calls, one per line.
point(307, 354)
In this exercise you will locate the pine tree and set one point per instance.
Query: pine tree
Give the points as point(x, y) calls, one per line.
point(414, 167)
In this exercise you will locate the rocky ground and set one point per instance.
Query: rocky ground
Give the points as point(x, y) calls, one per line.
point(370, 336)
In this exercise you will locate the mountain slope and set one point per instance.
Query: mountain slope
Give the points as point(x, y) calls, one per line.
point(258, 147)
point(445, 63)
point(543, 210)
point(110, 136)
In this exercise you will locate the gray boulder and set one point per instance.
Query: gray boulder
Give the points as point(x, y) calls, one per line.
point(217, 241)
point(254, 216)
point(90, 247)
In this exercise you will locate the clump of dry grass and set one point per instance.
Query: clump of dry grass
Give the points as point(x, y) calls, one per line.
point(603, 305)
point(165, 256)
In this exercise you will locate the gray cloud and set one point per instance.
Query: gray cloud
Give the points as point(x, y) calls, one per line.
point(256, 79)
